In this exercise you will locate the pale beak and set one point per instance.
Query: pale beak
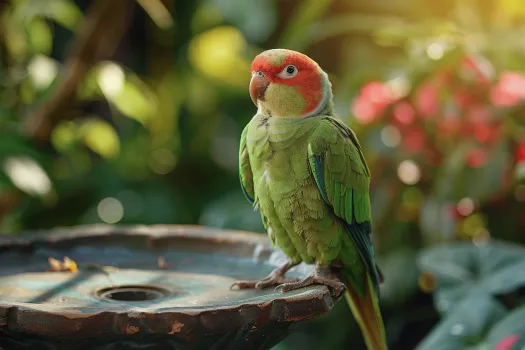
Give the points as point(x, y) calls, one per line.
point(258, 86)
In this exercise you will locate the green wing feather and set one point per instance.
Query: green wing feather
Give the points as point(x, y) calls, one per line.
point(245, 169)
point(343, 178)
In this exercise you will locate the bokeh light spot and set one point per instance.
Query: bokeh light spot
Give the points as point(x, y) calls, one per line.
point(465, 206)
point(408, 172)
point(27, 175)
point(481, 237)
point(110, 210)
point(519, 171)
point(391, 136)
point(42, 71)
point(435, 51)
point(457, 329)
point(399, 86)
point(111, 79)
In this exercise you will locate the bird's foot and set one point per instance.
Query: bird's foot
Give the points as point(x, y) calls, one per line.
point(336, 287)
point(276, 277)
point(272, 279)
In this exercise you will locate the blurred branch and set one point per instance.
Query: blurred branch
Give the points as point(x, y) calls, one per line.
point(157, 12)
point(3, 50)
point(97, 39)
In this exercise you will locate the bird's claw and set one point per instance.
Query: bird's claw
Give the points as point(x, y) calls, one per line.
point(271, 280)
point(336, 287)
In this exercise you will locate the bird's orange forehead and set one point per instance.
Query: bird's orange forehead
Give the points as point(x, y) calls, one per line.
point(275, 60)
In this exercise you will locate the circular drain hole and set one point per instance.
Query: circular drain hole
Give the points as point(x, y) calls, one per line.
point(132, 293)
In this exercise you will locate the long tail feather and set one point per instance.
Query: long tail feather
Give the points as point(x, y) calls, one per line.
point(367, 314)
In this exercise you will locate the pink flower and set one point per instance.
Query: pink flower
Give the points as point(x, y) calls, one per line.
point(427, 101)
point(509, 90)
point(363, 110)
point(377, 92)
point(371, 102)
point(507, 342)
point(502, 99)
point(513, 83)
point(485, 132)
point(404, 113)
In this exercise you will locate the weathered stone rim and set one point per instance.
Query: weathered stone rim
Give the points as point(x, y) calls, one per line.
point(182, 322)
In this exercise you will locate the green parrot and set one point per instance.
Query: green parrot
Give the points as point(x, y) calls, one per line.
point(304, 170)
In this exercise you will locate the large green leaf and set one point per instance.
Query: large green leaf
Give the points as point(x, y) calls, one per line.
point(466, 325)
point(461, 267)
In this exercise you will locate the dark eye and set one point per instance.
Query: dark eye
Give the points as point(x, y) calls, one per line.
point(288, 72)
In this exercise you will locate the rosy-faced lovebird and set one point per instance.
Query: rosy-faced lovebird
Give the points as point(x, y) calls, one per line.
point(304, 169)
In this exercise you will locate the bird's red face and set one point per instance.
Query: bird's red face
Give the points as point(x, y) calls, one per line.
point(286, 83)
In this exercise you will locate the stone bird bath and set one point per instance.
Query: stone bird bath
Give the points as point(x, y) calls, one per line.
point(124, 297)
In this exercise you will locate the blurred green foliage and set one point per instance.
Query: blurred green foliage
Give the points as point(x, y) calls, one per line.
point(434, 91)
point(479, 295)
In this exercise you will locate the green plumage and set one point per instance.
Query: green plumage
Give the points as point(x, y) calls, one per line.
point(287, 166)
point(310, 181)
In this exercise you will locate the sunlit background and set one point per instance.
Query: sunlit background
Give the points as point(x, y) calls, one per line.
point(127, 112)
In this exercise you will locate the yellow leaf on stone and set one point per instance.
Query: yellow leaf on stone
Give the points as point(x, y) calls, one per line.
point(70, 265)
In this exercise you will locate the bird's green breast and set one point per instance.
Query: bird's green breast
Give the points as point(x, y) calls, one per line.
point(278, 154)
point(299, 221)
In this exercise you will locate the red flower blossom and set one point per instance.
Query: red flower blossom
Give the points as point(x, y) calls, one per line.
point(485, 132)
point(507, 342)
point(372, 100)
point(509, 90)
point(519, 154)
point(364, 110)
point(427, 101)
point(404, 113)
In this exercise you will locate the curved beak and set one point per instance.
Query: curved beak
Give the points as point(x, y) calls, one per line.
point(258, 86)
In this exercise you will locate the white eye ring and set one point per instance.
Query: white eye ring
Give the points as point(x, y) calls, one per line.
point(288, 72)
